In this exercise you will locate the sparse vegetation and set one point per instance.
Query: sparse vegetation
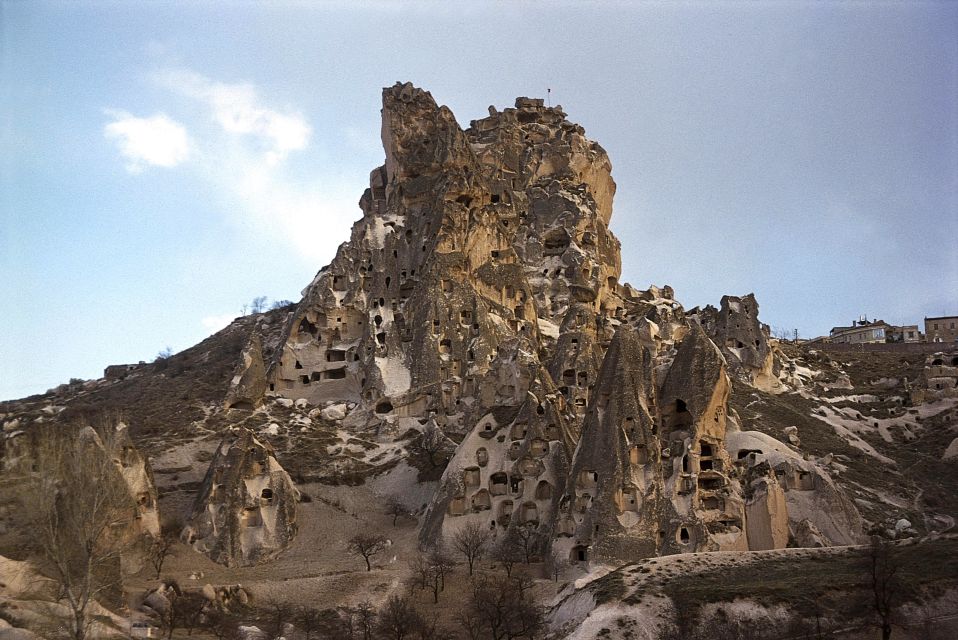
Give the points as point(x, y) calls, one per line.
point(80, 516)
point(472, 541)
point(395, 508)
point(162, 546)
point(501, 607)
point(366, 545)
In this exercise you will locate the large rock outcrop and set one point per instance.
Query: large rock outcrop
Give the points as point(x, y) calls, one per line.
point(85, 475)
point(743, 340)
point(249, 382)
point(245, 511)
point(137, 474)
point(479, 293)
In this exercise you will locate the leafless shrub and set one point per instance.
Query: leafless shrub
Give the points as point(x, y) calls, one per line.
point(366, 545)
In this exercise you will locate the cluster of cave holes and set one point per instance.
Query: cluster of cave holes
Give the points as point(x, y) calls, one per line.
point(586, 483)
point(708, 461)
point(571, 378)
point(328, 374)
point(500, 484)
point(308, 330)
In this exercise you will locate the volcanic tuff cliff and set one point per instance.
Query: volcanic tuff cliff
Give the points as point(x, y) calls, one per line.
point(479, 293)
point(470, 356)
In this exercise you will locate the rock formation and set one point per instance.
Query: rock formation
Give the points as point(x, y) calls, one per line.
point(479, 295)
point(249, 383)
point(137, 474)
point(22, 448)
point(743, 340)
point(479, 292)
point(817, 512)
point(245, 511)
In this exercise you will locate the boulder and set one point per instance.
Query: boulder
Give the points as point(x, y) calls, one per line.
point(334, 412)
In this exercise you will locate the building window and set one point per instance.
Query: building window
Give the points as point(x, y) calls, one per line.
point(936, 325)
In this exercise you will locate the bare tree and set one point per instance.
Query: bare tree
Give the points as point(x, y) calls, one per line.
point(258, 305)
point(472, 623)
point(222, 624)
point(189, 611)
point(366, 618)
point(430, 630)
point(347, 621)
point(169, 617)
point(472, 541)
point(366, 545)
point(784, 334)
point(883, 573)
point(184, 610)
point(526, 537)
point(335, 624)
point(398, 619)
point(553, 565)
point(279, 304)
point(160, 548)
point(308, 620)
point(80, 515)
point(423, 575)
point(430, 571)
point(501, 607)
point(279, 612)
point(442, 564)
point(507, 554)
point(395, 508)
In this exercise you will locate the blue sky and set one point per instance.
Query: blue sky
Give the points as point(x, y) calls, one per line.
point(163, 163)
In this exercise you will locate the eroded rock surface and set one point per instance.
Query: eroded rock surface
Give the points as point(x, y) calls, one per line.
point(480, 293)
point(245, 511)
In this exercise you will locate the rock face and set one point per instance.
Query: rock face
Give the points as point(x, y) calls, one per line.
point(137, 475)
point(479, 293)
point(817, 512)
point(245, 511)
point(743, 340)
point(249, 383)
point(112, 443)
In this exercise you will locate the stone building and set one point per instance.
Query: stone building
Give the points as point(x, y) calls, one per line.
point(941, 329)
point(903, 333)
point(861, 331)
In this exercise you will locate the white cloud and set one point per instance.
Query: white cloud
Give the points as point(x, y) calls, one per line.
point(215, 323)
point(238, 110)
point(245, 153)
point(241, 145)
point(155, 141)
